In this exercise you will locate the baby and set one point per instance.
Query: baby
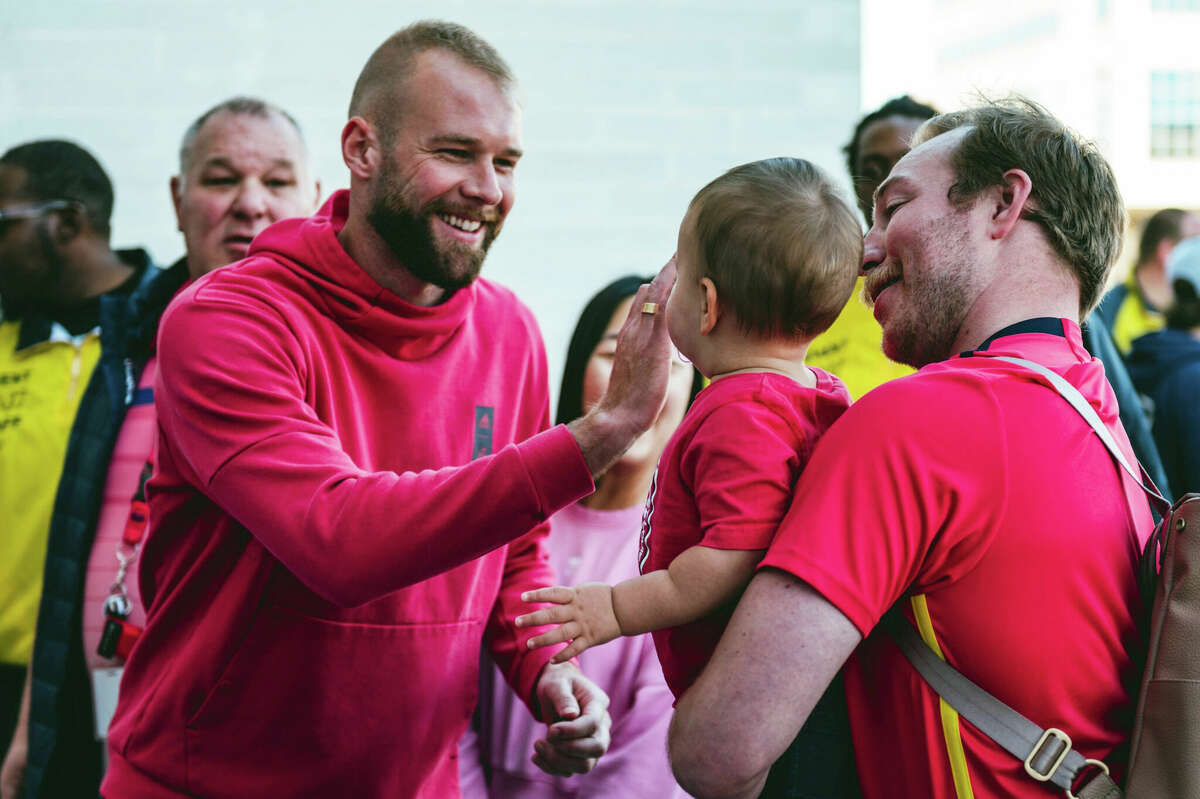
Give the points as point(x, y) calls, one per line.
point(767, 256)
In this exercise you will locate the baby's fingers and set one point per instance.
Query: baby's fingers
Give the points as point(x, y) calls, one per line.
point(556, 615)
point(559, 595)
point(556, 636)
point(577, 646)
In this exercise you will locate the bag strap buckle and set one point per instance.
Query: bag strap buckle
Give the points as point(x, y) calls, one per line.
point(1050, 738)
point(1100, 773)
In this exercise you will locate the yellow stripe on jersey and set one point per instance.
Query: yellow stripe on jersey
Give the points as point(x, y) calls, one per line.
point(950, 728)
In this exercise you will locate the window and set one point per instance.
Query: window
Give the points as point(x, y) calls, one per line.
point(1174, 114)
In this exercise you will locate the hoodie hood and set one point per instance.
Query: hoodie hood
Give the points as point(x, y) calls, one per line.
point(1157, 355)
point(310, 246)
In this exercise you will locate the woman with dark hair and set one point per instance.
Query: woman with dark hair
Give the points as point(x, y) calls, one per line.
point(1165, 366)
point(595, 539)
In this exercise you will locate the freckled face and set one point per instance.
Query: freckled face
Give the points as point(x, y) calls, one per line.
point(920, 260)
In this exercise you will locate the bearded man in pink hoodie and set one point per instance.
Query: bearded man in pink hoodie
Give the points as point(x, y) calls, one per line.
point(355, 468)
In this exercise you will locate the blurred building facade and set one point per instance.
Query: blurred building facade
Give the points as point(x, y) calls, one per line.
point(1125, 73)
point(630, 107)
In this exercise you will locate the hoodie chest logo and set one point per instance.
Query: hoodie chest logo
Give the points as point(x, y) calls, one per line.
point(485, 417)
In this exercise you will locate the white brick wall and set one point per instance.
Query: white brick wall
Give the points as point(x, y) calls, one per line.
point(630, 106)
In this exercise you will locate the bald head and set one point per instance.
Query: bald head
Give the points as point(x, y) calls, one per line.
point(380, 84)
point(234, 106)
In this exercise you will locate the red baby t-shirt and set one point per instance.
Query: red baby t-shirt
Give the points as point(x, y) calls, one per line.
point(724, 481)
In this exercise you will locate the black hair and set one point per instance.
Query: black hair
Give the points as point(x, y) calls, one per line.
point(588, 332)
point(61, 170)
point(902, 106)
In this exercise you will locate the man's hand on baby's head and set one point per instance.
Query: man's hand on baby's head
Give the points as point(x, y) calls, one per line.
point(584, 614)
point(641, 369)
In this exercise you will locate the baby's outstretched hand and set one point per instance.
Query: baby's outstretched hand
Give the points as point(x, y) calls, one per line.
point(584, 614)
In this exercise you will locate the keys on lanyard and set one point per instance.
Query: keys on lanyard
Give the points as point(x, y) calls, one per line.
point(119, 634)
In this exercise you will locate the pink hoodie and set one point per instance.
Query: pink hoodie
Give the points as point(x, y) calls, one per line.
point(340, 517)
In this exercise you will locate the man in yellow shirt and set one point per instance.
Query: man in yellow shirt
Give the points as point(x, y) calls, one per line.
point(55, 262)
point(850, 348)
point(1135, 307)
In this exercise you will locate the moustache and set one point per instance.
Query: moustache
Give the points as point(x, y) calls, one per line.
point(877, 280)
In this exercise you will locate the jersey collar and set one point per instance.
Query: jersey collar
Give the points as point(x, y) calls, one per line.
point(1050, 325)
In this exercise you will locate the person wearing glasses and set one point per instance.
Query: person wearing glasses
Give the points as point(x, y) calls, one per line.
point(55, 263)
point(243, 165)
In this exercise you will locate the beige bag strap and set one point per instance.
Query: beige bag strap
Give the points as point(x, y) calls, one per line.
point(1047, 754)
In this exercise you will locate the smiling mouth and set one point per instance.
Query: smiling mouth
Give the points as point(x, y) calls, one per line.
point(238, 242)
point(463, 223)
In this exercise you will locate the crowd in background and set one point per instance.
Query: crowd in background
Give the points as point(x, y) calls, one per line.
point(80, 441)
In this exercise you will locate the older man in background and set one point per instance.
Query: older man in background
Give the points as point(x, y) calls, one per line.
point(242, 166)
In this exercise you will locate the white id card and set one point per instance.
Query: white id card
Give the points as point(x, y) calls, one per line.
point(104, 698)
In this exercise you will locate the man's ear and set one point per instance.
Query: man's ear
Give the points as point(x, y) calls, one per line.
point(1011, 201)
point(176, 200)
point(360, 148)
point(710, 306)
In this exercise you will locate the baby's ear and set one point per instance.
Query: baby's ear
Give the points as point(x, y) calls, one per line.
point(710, 306)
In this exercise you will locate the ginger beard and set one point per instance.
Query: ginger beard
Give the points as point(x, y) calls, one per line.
point(931, 292)
point(408, 231)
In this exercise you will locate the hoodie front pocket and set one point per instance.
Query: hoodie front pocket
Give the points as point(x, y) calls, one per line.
point(310, 706)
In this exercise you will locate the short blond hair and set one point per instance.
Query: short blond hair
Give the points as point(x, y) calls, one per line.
point(376, 92)
point(781, 245)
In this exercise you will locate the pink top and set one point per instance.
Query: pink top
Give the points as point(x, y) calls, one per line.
point(976, 498)
point(132, 449)
point(350, 496)
point(584, 545)
point(725, 480)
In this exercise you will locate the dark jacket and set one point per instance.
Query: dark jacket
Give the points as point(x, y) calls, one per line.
point(1099, 342)
point(64, 757)
point(1165, 366)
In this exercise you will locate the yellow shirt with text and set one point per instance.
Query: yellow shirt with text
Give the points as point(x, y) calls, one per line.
point(40, 389)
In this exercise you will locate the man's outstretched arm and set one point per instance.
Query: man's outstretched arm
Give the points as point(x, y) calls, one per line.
point(780, 651)
point(232, 406)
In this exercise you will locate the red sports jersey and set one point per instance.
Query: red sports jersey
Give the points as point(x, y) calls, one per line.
point(724, 481)
point(974, 495)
